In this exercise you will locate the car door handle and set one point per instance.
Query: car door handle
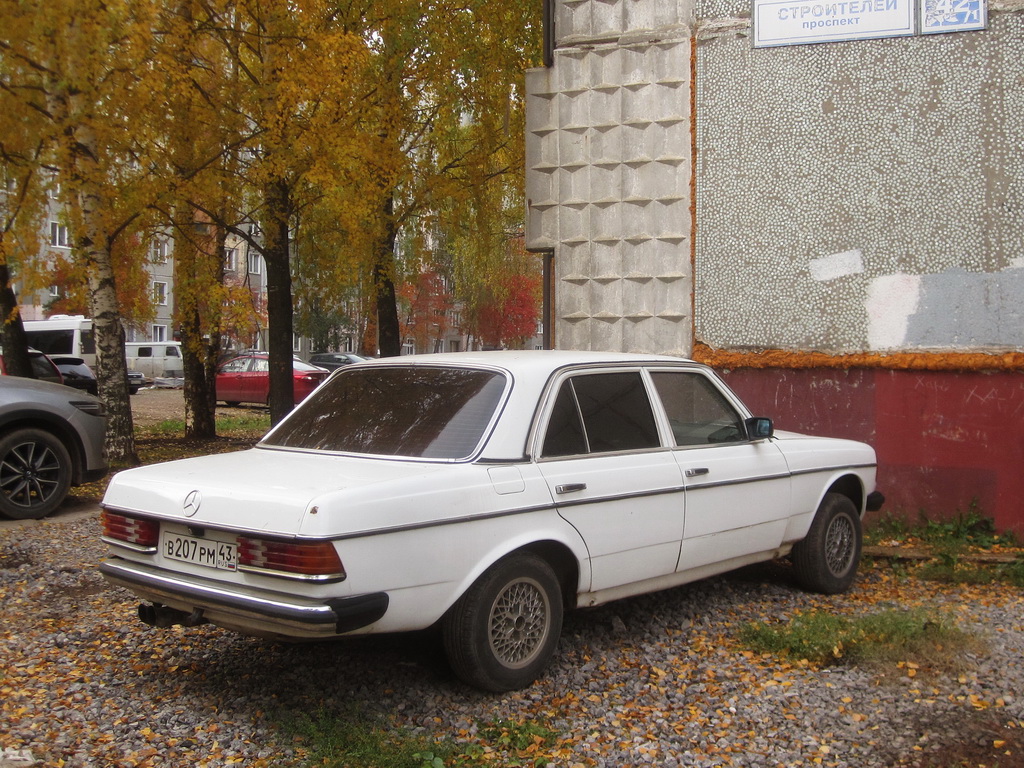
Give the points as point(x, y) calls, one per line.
point(697, 472)
point(570, 487)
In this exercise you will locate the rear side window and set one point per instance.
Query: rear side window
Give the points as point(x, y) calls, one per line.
point(601, 413)
point(416, 412)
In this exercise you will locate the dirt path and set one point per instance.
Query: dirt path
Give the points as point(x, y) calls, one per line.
point(152, 406)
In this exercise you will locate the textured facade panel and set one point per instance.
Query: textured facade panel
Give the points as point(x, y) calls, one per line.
point(605, 19)
point(609, 175)
point(904, 151)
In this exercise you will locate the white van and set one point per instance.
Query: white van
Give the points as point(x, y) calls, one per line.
point(155, 359)
point(63, 336)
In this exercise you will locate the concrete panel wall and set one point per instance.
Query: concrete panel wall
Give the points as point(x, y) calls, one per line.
point(609, 174)
point(862, 195)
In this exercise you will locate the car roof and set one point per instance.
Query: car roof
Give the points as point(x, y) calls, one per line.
point(533, 361)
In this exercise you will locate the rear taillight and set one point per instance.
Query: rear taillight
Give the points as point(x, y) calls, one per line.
point(144, 534)
point(313, 560)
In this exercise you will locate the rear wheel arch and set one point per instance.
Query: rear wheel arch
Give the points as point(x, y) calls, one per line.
point(502, 631)
point(563, 562)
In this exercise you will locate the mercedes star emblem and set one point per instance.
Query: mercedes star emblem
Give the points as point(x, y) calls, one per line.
point(192, 502)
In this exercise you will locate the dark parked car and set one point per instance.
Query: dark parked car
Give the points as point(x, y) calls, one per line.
point(334, 360)
point(51, 438)
point(136, 381)
point(246, 379)
point(76, 373)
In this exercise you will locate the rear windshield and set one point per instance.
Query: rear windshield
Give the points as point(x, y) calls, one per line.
point(419, 412)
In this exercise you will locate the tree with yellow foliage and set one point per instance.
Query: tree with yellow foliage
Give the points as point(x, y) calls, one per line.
point(85, 67)
point(451, 111)
point(276, 88)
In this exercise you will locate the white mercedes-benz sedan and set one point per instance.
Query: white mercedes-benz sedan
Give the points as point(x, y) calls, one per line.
point(484, 493)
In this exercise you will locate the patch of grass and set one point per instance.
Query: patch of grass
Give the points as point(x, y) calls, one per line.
point(951, 569)
point(965, 529)
point(889, 528)
point(919, 636)
point(969, 528)
point(352, 739)
point(955, 546)
point(523, 743)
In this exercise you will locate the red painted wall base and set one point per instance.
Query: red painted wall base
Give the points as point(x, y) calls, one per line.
point(944, 440)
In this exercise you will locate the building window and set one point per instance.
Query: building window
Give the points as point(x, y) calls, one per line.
point(158, 249)
point(55, 291)
point(255, 264)
point(159, 295)
point(59, 237)
point(159, 333)
point(296, 343)
point(230, 259)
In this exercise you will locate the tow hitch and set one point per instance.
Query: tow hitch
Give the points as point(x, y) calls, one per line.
point(157, 615)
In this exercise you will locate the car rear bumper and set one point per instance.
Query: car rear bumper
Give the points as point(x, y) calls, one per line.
point(254, 612)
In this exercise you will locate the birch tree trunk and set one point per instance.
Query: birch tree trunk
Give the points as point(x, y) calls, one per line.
point(92, 246)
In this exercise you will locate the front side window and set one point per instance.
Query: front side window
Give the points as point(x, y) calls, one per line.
point(601, 413)
point(416, 412)
point(698, 412)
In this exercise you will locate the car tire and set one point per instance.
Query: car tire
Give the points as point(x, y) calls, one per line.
point(35, 474)
point(826, 560)
point(231, 403)
point(501, 634)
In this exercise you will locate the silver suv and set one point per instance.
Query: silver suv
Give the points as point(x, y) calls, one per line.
point(51, 438)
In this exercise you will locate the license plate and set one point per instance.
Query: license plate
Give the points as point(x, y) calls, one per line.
point(199, 551)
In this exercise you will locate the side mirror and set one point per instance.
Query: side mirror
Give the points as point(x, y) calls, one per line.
point(759, 428)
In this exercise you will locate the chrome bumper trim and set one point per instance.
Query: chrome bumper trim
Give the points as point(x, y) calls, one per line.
point(328, 617)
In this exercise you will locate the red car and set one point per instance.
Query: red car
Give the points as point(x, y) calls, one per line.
point(246, 379)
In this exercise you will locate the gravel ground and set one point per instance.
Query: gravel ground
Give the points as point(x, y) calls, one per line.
point(656, 680)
